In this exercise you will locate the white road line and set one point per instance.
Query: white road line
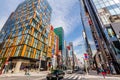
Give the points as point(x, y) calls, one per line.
point(80, 77)
point(67, 76)
point(75, 76)
point(71, 76)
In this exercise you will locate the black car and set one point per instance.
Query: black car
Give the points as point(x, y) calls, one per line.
point(55, 75)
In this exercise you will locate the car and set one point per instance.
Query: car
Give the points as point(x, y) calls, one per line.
point(69, 71)
point(55, 75)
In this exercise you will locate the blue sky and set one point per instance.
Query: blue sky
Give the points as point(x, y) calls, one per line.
point(66, 14)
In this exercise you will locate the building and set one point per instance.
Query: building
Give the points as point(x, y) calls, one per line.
point(60, 33)
point(26, 35)
point(68, 58)
point(65, 55)
point(53, 48)
point(104, 20)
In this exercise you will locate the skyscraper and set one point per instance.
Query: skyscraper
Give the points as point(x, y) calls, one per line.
point(26, 34)
point(60, 32)
point(104, 19)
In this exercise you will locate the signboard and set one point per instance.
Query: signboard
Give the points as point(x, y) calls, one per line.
point(86, 56)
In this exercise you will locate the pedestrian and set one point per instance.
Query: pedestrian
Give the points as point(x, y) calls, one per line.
point(98, 70)
point(103, 72)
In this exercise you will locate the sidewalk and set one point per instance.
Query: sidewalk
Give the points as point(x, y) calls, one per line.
point(94, 73)
point(42, 73)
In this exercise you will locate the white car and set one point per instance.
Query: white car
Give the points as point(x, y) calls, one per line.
point(69, 71)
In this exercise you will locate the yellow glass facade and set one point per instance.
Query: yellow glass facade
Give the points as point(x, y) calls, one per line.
point(26, 30)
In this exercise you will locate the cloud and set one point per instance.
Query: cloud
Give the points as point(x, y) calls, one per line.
point(62, 14)
point(2, 21)
point(78, 41)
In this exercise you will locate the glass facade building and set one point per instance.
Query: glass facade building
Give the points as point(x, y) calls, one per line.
point(104, 19)
point(60, 33)
point(26, 31)
point(106, 8)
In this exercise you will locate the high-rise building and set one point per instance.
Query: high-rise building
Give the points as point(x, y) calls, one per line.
point(71, 55)
point(60, 33)
point(104, 19)
point(26, 35)
point(65, 55)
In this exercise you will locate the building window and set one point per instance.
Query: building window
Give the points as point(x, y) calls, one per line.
point(112, 12)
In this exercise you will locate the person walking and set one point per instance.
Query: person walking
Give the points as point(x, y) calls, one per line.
point(98, 70)
point(103, 72)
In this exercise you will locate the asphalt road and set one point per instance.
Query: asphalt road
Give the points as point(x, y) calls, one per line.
point(74, 76)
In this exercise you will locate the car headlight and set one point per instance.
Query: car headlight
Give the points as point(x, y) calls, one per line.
point(54, 76)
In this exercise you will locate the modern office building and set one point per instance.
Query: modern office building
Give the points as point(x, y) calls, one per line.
point(26, 35)
point(104, 18)
point(60, 32)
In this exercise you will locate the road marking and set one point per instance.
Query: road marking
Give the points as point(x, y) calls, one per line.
point(75, 76)
point(79, 77)
point(71, 76)
point(67, 76)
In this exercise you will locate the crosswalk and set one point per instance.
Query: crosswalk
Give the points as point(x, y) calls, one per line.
point(87, 77)
point(74, 77)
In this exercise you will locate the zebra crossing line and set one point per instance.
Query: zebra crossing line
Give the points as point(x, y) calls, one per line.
point(73, 77)
point(67, 76)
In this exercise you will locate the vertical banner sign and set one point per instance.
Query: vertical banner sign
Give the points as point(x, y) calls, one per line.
point(86, 56)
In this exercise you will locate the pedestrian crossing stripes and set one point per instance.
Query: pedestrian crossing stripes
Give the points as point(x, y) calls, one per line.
point(87, 77)
point(73, 77)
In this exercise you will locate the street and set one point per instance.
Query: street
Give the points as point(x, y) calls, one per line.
point(73, 76)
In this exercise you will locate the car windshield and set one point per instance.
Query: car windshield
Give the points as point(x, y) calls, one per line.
point(56, 71)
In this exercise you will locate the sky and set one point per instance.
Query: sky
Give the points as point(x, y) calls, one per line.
point(65, 13)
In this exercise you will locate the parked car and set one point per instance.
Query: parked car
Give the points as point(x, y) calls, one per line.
point(55, 75)
point(69, 71)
